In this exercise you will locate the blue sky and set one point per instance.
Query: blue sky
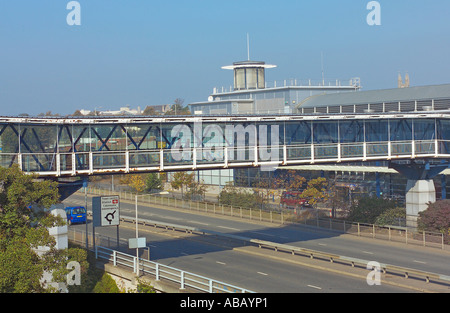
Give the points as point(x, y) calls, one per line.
point(146, 52)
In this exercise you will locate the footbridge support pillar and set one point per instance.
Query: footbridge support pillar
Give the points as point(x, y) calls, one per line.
point(420, 189)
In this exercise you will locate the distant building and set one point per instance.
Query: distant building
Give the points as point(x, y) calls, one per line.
point(251, 93)
point(160, 109)
point(122, 111)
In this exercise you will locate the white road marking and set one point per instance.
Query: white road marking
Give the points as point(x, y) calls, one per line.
point(230, 228)
point(218, 262)
point(315, 287)
point(269, 235)
point(367, 252)
point(421, 262)
point(261, 273)
point(195, 222)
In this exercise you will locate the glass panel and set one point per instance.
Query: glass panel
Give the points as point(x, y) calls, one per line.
point(377, 131)
point(325, 132)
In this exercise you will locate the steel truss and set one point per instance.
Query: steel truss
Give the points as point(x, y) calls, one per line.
point(58, 147)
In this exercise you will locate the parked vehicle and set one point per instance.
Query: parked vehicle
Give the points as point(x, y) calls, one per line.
point(76, 215)
point(293, 199)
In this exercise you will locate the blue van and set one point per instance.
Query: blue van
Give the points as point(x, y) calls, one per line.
point(76, 215)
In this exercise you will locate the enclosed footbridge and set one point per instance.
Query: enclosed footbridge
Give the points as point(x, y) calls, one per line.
point(64, 147)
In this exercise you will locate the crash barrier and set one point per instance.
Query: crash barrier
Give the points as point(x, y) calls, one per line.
point(429, 277)
point(303, 217)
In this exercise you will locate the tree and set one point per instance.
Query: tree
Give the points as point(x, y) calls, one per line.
point(187, 184)
point(149, 111)
point(316, 191)
point(436, 218)
point(137, 183)
point(392, 216)
point(196, 190)
point(367, 209)
point(24, 223)
point(181, 180)
point(153, 182)
point(177, 108)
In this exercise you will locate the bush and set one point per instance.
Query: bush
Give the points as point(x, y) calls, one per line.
point(238, 198)
point(436, 218)
point(395, 216)
point(106, 285)
point(367, 209)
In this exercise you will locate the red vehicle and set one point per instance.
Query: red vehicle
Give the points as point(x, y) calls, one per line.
point(293, 199)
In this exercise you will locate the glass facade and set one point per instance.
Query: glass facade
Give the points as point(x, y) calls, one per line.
point(50, 147)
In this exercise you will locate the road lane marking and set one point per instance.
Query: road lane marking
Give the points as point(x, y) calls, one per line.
point(367, 252)
point(421, 262)
point(315, 287)
point(230, 228)
point(200, 223)
point(259, 233)
point(264, 274)
point(221, 263)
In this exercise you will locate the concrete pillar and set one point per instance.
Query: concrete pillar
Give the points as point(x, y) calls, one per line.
point(60, 233)
point(418, 194)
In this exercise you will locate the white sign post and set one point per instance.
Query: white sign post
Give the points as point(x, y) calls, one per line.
point(106, 212)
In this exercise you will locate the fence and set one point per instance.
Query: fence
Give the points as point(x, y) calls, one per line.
point(200, 283)
point(283, 216)
point(185, 280)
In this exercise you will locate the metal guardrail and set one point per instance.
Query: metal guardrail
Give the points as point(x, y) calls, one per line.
point(390, 233)
point(385, 268)
point(313, 254)
point(184, 279)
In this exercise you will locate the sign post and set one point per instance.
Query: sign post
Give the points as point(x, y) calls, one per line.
point(106, 212)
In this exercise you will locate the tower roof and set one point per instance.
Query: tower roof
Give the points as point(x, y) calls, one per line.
point(248, 64)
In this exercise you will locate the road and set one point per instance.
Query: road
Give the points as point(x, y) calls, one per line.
point(271, 275)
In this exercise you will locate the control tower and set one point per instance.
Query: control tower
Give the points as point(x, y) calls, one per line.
point(249, 74)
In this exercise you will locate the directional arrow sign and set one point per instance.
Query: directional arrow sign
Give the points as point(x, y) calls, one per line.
point(106, 210)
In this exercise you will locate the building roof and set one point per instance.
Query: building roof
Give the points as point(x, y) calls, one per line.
point(378, 96)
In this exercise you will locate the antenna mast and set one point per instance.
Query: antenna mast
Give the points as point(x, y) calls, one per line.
point(323, 74)
point(248, 47)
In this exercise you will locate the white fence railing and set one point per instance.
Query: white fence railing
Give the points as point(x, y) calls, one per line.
point(185, 280)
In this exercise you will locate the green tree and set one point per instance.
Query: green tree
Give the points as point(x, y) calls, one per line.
point(392, 216)
point(181, 181)
point(195, 190)
point(24, 223)
point(367, 209)
point(153, 182)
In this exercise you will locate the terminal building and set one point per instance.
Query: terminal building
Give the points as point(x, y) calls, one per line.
point(251, 94)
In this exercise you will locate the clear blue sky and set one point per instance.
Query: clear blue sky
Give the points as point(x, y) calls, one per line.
point(146, 52)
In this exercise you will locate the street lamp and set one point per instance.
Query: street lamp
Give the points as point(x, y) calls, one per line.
point(138, 243)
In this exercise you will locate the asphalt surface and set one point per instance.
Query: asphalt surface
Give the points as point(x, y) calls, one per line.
point(269, 272)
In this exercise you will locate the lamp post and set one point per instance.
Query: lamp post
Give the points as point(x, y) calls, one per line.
point(137, 236)
point(137, 232)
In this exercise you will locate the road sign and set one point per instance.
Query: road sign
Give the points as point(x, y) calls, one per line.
point(106, 211)
point(134, 243)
